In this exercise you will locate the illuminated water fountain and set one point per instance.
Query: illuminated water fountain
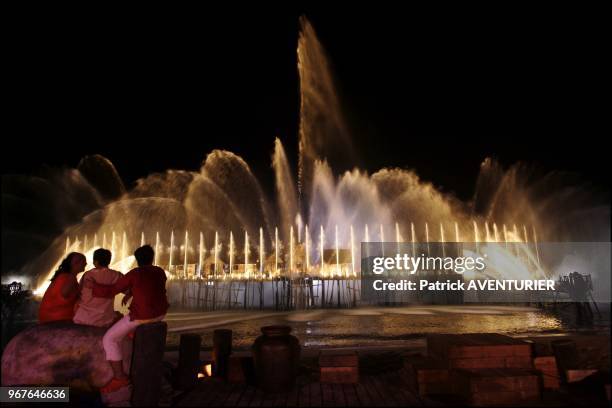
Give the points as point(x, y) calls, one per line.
point(204, 224)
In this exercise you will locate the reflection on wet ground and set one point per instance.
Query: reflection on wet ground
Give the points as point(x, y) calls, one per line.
point(373, 327)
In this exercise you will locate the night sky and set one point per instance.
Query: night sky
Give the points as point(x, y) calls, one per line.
point(429, 92)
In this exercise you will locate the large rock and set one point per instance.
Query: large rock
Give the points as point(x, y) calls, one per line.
point(59, 353)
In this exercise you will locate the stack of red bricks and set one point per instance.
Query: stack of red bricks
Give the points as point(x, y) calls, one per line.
point(547, 365)
point(484, 369)
point(339, 367)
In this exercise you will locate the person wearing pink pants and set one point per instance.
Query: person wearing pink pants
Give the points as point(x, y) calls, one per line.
point(147, 284)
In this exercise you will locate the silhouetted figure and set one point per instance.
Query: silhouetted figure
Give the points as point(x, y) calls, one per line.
point(579, 291)
point(97, 311)
point(59, 300)
point(147, 284)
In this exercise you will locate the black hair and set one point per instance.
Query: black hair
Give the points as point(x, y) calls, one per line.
point(64, 266)
point(102, 256)
point(144, 255)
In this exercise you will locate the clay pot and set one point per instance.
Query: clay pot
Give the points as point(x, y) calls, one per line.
point(276, 355)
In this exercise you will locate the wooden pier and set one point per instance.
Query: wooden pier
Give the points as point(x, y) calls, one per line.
point(384, 389)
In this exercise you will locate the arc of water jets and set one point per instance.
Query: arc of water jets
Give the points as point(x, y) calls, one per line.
point(509, 235)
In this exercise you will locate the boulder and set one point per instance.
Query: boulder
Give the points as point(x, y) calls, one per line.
point(59, 353)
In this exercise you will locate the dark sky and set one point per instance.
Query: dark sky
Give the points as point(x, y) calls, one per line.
point(430, 92)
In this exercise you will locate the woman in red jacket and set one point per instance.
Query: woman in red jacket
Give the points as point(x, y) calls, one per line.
point(147, 285)
point(59, 300)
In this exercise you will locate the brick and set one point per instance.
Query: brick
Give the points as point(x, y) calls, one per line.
point(476, 363)
point(547, 365)
point(497, 386)
point(576, 375)
point(486, 345)
point(519, 362)
point(431, 381)
point(340, 375)
point(430, 376)
point(491, 362)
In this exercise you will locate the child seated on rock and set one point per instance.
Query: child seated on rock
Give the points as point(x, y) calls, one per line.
point(97, 311)
point(147, 284)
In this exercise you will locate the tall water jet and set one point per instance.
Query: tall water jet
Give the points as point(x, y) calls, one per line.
point(442, 240)
point(246, 255)
point(171, 250)
point(299, 224)
point(156, 260)
point(201, 252)
point(413, 236)
point(457, 236)
point(103, 240)
point(285, 187)
point(186, 246)
point(323, 132)
point(307, 248)
point(517, 238)
point(124, 246)
point(352, 252)
point(261, 252)
point(535, 244)
point(337, 253)
point(505, 231)
point(382, 240)
point(495, 232)
point(113, 240)
point(95, 241)
point(216, 260)
point(276, 251)
point(142, 239)
point(321, 243)
point(398, 237)
point(231, 254)
point(291, 244)
point(67, 246)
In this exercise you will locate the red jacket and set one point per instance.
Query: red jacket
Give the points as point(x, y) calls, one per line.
point(148, 287)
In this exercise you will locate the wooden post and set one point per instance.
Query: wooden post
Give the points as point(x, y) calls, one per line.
point(222, 348)
point(189, 361)
point(146, 369)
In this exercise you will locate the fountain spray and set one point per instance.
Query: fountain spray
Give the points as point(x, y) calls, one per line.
point(216, 253)
point(171, 250)
point(276, 251)
point(156, 247)
point(246, 255)
point(321, 243)
point(261, 253)
point(201, 255)
point(185, 254)
point(337, 253)
point(352, 251)
point(307, 247)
